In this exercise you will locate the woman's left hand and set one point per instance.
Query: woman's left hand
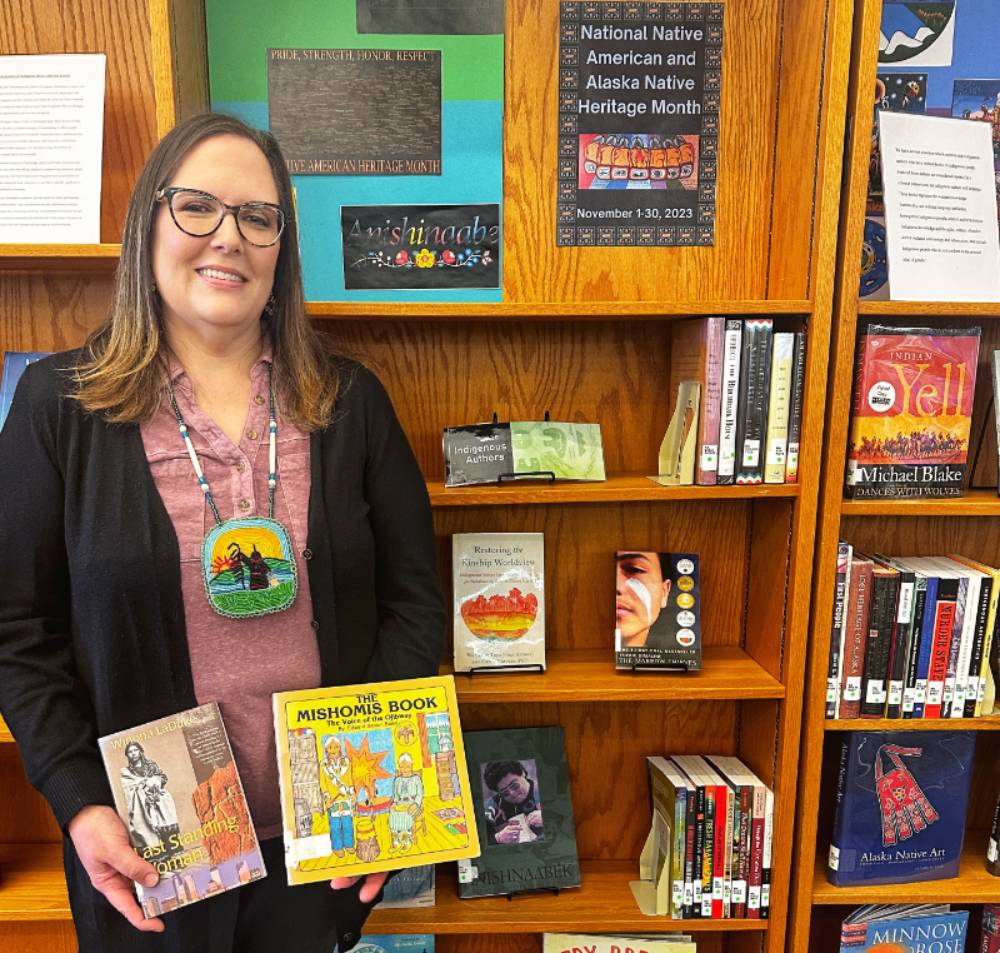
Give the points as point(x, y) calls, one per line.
point(369, 890)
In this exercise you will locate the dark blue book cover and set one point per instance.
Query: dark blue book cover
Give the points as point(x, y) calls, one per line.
point(904, 930)
point(901, 800)
point(14, 363)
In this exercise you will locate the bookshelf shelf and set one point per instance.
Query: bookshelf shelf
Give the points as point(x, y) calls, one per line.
point(102, 257)
point(973, 503)
point(986, 723)
point(33, 885)
point(5, 736)
point(974, 884)
point(553, 310)
point(930, 309)
point(602, 904)
point(590, 675)
point(618, 488)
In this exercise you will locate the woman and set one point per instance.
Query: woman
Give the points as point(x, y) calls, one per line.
point(117, 608)
point(642, 590)
point(152, 814)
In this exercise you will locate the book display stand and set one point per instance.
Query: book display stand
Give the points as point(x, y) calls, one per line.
point(584, 331)
point(969, 525)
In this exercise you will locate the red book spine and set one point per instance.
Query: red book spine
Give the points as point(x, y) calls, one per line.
point(742, 863)
point(719, 850)
point(711, 405)
point(944, 623)
point(756, 854)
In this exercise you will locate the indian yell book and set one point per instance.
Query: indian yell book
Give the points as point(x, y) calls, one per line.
point(373, 777)
point(177, 790)
point(499, 597)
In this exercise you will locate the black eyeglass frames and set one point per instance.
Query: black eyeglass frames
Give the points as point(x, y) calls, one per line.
point(199, 213)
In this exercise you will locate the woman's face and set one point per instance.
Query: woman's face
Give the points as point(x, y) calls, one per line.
point(220, 282)
point(133, 753)
point(640, 593)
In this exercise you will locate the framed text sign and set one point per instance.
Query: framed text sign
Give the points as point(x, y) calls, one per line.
point(639, 95)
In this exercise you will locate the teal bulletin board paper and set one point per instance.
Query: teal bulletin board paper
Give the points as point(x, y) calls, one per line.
point(471, 127)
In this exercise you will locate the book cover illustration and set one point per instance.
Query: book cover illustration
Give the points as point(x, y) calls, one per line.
point(917, 928)
point(14, 363)
point(499, 595)
point(657, 610)
point(177, 789)
point(990, 934)
point(412, 887)
point(608, 943)
point(372, 778)
point(520, 789)
point(395, 942)
point(901, 801)
point(912, 406)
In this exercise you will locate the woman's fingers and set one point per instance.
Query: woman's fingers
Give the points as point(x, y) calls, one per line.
point(369, 890)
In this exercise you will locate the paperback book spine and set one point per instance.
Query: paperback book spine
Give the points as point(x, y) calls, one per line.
point(913, 644)
point(951, 689)
point(708, 852)
point(742, 863)
point(835, 665)
point(856, 630)
point(677, 853)
point(926, 647)
point(720, 850)
point(758, 334)
point(898, 648)
point(690, 826)
point(765, 870)
point(779, 402)
point(732, 353)
point(975, 616)
point(881, 625)
point(989, 649)
point(944, 623)
point(987, 610)
point(795, 415)
point(711, 404)
point(699, 851)
point(756, 852)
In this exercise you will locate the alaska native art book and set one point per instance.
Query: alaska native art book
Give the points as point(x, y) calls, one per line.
point(14, 363)
point(914, 928)
point(177, 789)
point(520, 789)
point(499, 593)
point(372, 778)
point(657, 610)
point(901, 803)
point(911, 413)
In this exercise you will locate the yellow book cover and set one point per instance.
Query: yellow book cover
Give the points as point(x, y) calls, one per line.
point(373, 777)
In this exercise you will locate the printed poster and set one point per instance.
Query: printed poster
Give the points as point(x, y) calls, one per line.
point(430, 16)
point(639, 98)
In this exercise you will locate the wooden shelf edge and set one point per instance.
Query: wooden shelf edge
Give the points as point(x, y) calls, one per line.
point(975, 502)
point(985, 723)
point(618, 488)
point(728, 673)
point(32, 884)
point(59, 257)
point(550, 310)
point(889, 309)
point(974, 883)
point(5, 738)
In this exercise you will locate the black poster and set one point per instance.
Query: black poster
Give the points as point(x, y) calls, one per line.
point(356, 112)
point(639, 95)
point(430, 16)
point(421, 246)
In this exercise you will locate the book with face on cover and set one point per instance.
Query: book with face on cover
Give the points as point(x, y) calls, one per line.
point(499, 596)
point(178, 792)
point(372, 778)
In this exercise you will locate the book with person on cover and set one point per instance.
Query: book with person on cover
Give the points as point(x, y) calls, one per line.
point(989, 941)
point(911, 411)
point(372, 778)
point(913, 928)
point(901, 802)
point(520, 790)
point(499, 596)
point(177, 789)
point(657, 610)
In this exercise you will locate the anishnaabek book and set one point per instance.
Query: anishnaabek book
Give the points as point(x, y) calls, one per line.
point(178, 792)
point(911, 411)
point(901, 803)
point(372, 777)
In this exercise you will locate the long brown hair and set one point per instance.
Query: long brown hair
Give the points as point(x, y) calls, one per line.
point(121, 375)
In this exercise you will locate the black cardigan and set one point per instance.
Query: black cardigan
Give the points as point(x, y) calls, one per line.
point(92, 637)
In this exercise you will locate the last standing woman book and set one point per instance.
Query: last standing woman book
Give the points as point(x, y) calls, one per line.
point(177, 789)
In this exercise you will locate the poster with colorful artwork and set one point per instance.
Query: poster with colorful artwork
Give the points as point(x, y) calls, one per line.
point(917, 33)
point(639, 98)
point(374, 112)
point(894, 92)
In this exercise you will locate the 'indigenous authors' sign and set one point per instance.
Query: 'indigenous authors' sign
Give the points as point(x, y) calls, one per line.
point(639, 94)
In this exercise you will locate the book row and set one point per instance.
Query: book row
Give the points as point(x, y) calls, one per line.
point(912, 637)
point(737, 389)
point(708, 854)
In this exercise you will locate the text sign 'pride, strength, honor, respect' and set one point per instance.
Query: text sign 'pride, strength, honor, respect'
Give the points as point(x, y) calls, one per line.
point(639, 98)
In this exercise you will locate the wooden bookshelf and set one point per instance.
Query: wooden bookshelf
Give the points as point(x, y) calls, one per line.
point(59, 257)
point(971, 503)
point(34, 887)
point(985, 723)
point(5, 736)
point(929, 309)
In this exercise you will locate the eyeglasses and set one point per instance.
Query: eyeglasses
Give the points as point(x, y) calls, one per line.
point(509, 787)
point(199, 214)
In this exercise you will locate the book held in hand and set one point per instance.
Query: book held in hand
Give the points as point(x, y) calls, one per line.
point(178, 792)
point(657, 610)
point(499, 595)
point(913, 928)
point(372, 778)
point(520, 789)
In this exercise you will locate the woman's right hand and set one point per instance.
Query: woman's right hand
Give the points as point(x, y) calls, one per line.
point(102, 844)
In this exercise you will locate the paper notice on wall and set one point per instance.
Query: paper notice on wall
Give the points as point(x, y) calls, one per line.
point(940, 209)
point(51, 134)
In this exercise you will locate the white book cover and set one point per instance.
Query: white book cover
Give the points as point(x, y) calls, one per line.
point(499, 598)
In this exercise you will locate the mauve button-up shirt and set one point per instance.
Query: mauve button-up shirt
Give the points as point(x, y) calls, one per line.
point(239, 663)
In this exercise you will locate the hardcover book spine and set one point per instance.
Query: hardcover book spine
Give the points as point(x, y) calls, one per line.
point(742, 864)
point(708, 852)
point(720, 850)
point(835, 669)
point(855, 632)
point(897, 651)
point(989, 648)
point(755, 376)
point(756, 852)
point(779, 402)
point(795, 415)
point(944, 624)
point(677, 853)
point(882, 623)
point(765, 870)
point(913, 645)
point(699, 852)
point(958, 630)
point(690, 826)
point(993, 843)
point(711, 404)
point(732, 354)
point(926, 647)
point(975, 614)
point(732, 849)
point(987, 609)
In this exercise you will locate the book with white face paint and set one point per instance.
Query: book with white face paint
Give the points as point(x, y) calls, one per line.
point(657, 610)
